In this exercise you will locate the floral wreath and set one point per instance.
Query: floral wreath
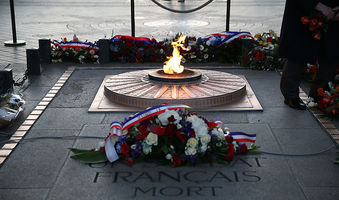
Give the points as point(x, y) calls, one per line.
point(171, 135)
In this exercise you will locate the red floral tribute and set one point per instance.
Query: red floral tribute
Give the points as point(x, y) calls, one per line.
point(316, 24)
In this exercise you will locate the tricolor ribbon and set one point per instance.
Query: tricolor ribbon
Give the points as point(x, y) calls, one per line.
point(144, 40)
point(82, 45)
point(150, 112)
point(117, 128)
point(228, 36)
point(115, 132)
point(243, 137)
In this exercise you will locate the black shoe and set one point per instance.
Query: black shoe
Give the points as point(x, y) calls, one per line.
point(295, 103)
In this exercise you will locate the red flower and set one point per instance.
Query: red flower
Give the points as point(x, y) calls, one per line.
point(131, 60)
point(269, 39)
point(255, 52)
point(320, 24)
point(321, 92)
point(129, 42)
point(115, 54)
point(231, 148)
point(76, 39)
point(129, 161)
point(229, 139)
point(246, 58)
point(170, 130)
point(229, 157)
point(316, 36)
point(211, 125)
point(176, 160)
point(65, 39)
point(311, 28)
point(139, 44)
point(314, 22)
point(125, 149)
point(59, 54)
point(138, 55)
point(181, 137)
point(243, 149)
point(304, 20)
point(159, 130)
point(260, 56)
point(171, 119)
point(143, 129)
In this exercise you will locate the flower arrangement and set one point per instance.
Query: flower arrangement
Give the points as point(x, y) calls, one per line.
point(133, 49)
point(310, 71)
point(315, 23)
point(74, 50)
point(329, 100)
point(169, 134)
point(264, 56)
point(11, 106)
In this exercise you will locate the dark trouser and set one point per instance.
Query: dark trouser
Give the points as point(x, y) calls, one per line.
point(292, 74)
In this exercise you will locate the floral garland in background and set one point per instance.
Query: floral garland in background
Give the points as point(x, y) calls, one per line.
point(264, 56)
point(74, 51)
point(169, 134)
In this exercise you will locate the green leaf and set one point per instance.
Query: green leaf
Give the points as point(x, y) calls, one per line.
point(253, 152)
point(164, 149)
point(76, 151)
point(90, 157)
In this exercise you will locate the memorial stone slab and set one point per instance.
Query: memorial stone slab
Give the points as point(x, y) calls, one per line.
point(24, 194)
point(322, 193)
point(246, 175)
point(36, 164)
point(283, 117)
point(76, 93)
point(303, 140)
point(67, 118)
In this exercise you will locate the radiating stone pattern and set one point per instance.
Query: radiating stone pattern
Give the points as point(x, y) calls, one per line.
point(135, 89)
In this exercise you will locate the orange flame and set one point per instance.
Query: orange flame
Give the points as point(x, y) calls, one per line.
point(173, 64)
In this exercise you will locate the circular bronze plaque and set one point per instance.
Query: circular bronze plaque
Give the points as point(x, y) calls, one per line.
point(137, 89)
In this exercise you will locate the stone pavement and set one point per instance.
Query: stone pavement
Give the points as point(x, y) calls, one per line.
point(42, 169)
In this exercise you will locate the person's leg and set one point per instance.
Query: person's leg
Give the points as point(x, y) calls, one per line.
point(291, 79)
point(289, 85)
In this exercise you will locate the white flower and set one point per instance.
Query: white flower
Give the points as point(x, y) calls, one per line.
point(199, 126)
point(190, 151)
point(189, 48)
point(192, 142)
point(205, 56)
point(172, 147)
point(133, 146)
point(146, 149)
point(161, 51)
point(208, 43)
point(219, 133)
point(205, 139)
point(179, 126)
point(193, 56)
point(152, 139)
point(203, 148)
point(168, 156)
point(201, 47)
point(163, 117)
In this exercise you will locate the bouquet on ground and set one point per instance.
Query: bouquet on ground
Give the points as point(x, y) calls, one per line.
point(169, 134)
point(329, 100)
point(11, 106)
point(264, 56)
point(74, 50)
